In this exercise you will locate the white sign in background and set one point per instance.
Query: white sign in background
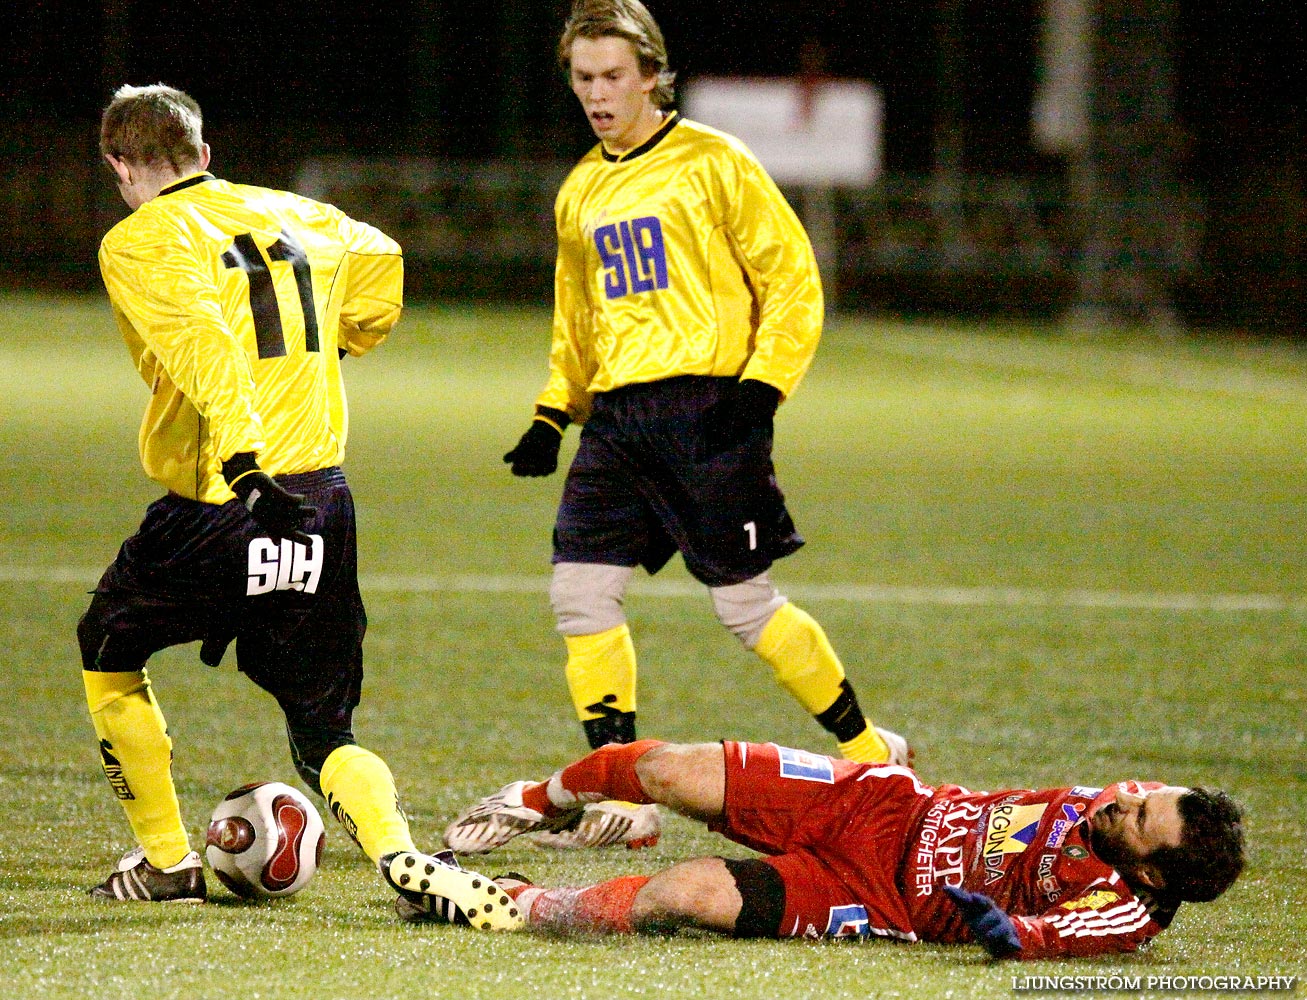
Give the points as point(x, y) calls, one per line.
point(807, 132)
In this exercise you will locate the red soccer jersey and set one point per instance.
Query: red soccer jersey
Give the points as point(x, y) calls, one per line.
point(1029, 851)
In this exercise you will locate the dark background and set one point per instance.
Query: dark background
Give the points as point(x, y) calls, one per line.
point(280, 82)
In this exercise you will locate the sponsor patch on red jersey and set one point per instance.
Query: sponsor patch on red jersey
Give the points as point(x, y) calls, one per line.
point(806, 766)
point(1011, 829)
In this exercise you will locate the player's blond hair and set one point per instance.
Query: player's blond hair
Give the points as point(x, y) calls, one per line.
point(627, 19)
point(153, 125)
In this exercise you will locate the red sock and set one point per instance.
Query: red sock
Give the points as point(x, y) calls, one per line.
point(606, 773)
point(603, 908)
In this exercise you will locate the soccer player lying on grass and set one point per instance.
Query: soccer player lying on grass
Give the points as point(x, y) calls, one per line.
point(858, 850)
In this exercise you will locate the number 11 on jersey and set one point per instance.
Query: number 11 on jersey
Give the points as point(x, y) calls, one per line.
point(266, 310)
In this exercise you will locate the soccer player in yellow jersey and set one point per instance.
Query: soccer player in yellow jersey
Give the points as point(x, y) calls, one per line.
point(687, 306)
point(237, 304)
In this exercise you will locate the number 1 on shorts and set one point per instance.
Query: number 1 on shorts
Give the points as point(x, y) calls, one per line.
point(751, 529)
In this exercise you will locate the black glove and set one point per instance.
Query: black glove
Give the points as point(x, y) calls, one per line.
point(279, 513)
point(751, 405)
point(536, 453)
point(990, 925)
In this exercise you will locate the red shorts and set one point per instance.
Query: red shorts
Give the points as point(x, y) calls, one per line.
point(836, 832)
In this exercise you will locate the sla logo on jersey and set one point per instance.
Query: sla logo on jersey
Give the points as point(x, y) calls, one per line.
point(284, 565)
point(806, 766)
point(633, 256)
point(1061, 827)
point(1086, 792)
point(1010, 831)
point(848, 921)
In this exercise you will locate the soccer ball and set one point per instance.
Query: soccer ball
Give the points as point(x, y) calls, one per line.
point(265, 839)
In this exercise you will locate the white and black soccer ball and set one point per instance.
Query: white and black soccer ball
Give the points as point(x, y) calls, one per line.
point(265, 839)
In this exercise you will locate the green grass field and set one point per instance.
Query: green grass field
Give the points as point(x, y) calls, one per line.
point(1046, 561)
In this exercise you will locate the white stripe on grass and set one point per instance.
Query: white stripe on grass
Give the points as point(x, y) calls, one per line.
point(861, 593)
point(1256, 373)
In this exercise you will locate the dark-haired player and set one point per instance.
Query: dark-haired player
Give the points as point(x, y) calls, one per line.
point(237, 304)
point(857, 850)
point(687, 307)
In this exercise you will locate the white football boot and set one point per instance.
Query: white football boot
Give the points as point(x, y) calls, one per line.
point(603, 824)
point(496, 820)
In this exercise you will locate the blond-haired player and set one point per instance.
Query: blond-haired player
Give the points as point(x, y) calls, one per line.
point(687, 306)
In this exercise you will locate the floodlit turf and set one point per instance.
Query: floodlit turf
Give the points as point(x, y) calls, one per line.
point(995, 483)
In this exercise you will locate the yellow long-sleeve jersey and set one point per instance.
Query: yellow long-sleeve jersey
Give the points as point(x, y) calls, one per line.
point(233, 301)
point(679, 257)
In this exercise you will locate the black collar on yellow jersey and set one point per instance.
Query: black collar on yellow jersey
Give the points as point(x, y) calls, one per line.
point(189, 182)
point(644, 147)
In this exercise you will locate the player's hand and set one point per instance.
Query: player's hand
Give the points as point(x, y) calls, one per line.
point(750, 406)
point(989, 924)
point(281, 514)
point(278, 512)
point(536, 453)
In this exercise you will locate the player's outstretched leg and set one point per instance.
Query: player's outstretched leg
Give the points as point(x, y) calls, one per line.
point(598, 909)
point(594, 801)
point(687, 778)
point(439, 887)
point(610, 822)
point(702, 893)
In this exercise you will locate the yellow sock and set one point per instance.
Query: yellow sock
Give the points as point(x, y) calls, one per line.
point(601, 672)
point(136, 755)
point(866, 748)
point(361, 794)
point(801, 658)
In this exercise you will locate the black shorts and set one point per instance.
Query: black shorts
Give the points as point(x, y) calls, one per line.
point(647, 481)
point(196, 571)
